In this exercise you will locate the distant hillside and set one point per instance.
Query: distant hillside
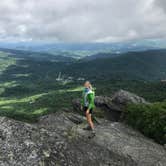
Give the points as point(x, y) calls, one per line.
point(145, 65)
point(100, 56)
point(148, 65)
point(39, 56)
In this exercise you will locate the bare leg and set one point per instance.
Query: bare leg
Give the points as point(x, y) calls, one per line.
point(89, 119)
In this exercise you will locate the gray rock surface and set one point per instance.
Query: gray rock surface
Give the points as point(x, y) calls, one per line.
point(59, 139)
point(123, 97)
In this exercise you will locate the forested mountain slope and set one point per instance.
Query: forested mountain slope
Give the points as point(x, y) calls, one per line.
point(148, 65)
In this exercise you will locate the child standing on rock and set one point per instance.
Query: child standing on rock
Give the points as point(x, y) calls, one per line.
point(88, 97)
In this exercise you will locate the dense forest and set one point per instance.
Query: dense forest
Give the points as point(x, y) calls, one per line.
point(147, 65)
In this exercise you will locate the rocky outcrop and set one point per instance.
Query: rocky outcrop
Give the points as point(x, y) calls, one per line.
point(123, 97)
point(59, 139)
point(113, 106)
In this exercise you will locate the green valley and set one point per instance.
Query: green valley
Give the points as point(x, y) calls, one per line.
point(29, 86)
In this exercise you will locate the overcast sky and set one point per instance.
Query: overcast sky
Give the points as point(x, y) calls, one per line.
point(82, 20)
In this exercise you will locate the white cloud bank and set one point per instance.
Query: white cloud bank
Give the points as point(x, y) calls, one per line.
point(82, 20)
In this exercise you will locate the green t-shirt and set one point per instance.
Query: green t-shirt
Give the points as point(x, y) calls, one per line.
point(88, 97)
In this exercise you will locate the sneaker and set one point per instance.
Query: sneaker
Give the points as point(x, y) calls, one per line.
point(93, 134)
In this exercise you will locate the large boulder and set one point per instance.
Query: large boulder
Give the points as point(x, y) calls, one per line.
point(117, 103)
point(59, 139)
point(123, 97)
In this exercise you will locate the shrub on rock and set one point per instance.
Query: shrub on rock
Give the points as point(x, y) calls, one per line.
point(149, 119)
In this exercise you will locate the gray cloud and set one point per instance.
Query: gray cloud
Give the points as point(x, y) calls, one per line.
point(161, 4)
point(82, 21)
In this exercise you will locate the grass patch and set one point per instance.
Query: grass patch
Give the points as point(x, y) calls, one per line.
point(5, 61)
point(31, 107)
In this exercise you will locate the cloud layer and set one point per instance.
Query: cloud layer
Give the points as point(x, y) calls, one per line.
point(82, 21)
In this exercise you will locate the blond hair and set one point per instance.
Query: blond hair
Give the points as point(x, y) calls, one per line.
point(90, 85)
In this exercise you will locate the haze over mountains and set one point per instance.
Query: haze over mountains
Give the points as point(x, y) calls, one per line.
point(79, 50)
